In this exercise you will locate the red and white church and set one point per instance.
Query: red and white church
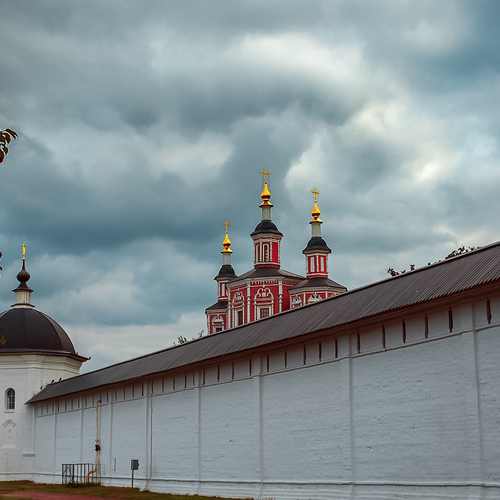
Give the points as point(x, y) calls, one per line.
point(267, 289)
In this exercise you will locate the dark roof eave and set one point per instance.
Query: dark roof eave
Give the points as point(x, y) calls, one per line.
point(24, 352)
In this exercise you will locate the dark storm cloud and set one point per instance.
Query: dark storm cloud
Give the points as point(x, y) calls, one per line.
point(144, 126)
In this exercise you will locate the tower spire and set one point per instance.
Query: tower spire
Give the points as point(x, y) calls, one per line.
point(266, 205)
point(23, 291)
point(266, 236)
point(317, 285)
point(226, 272)
point(316, 212)
point(226, 253)
point(217, 314)
point(317, 250)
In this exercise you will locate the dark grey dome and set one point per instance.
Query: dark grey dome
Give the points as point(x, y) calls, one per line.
point(266, 226)
point(23, 329)
point(316, 243)
point(226, 271)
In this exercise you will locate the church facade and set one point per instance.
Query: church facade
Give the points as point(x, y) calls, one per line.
point(388, 391)
point(267, 289)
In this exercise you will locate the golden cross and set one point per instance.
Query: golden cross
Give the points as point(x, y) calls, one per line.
point(266, 174)
point(24, 250)
point(315, 192)
point(226, 224)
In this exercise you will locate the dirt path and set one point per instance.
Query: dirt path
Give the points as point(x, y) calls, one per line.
point(42, 495)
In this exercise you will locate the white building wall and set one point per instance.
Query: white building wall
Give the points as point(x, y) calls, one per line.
point(26, 374)
point(488, 349)
point(128, 439)
point(404, 408)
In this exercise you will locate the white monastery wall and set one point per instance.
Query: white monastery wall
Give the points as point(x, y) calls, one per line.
point(408, 409)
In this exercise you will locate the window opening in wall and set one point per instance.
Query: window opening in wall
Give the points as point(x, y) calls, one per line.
point(257, 257)
point(218, 329)
point(359, 343)
point(336, 348)
point(426, 327)
point(383, 336)
point(404, 332)
point(450, 319)
point(266, 253)
point(240, 318)
point(304, 359)
point(320, 351)
point(267, 363)
point(10, 399)
point(264, 312)
point(488, 311)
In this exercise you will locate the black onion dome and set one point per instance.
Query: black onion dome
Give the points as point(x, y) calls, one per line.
point(23, 277)
point(316, 243)
point(226, 271)
point(266, 226)
point(23, 329)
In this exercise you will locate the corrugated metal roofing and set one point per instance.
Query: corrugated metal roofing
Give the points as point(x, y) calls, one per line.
point(422, 285)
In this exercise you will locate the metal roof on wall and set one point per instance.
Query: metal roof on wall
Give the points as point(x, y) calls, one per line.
point(422, 285)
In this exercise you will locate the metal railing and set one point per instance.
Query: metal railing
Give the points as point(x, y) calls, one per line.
point(81, 474)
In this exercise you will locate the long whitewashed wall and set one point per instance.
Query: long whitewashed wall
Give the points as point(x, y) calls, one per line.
point(408, 408)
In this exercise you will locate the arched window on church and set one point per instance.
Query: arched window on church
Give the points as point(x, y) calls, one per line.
point(266, 253)
point(10, 399)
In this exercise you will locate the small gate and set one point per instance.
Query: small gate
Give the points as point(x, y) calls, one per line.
point(81, 474)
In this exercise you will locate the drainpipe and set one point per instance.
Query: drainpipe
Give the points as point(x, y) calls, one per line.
point(97, 446)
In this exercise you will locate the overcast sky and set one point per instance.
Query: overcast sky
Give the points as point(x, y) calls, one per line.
point(144, 125)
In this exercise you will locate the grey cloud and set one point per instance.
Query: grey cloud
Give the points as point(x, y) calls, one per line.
point(118, 190)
